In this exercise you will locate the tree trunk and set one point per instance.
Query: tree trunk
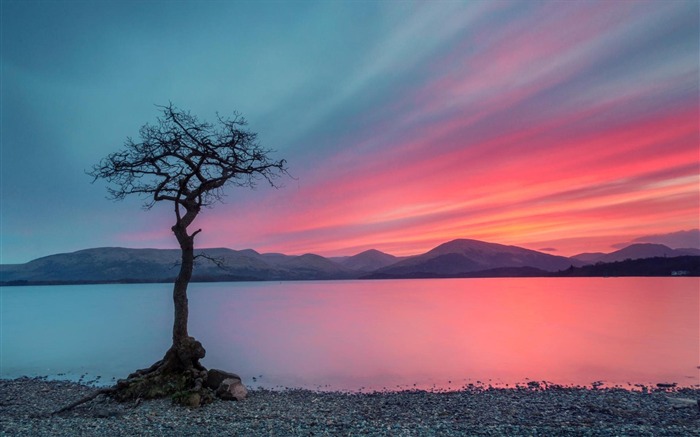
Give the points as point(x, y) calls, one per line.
point(185, 352)
point(179, 374)
point(180, 287)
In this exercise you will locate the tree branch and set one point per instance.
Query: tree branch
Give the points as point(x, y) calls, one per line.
point(219, 262)
point(188, 162)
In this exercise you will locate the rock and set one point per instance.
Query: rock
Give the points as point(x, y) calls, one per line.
point(533, 385)
point(684, 403)
point(215, 377)
point(104, 413)
point(231, 389)
point(666, 384)
point(226, 384)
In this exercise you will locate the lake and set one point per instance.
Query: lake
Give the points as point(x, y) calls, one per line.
point(369, 335)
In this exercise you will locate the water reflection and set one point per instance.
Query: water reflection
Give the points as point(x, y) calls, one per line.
point(371, 334)
point(446, 333)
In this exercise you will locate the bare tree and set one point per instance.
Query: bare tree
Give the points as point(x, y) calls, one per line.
point(189, 163)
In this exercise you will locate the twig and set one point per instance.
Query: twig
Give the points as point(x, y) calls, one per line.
point(219, 262)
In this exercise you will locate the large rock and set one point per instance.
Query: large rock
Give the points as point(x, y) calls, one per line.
point(226, 385)
point(215, 377)
point(232, 389)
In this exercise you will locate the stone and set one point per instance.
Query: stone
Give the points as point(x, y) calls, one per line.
point(104, 413)
point(232, 389)
point(215, 377)
point(683, 403)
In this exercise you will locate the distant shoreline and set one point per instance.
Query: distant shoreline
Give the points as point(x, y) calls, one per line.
point(460, 258)
point(682, 266)
point(26, 405)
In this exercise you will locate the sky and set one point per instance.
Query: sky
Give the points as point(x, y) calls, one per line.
point(565, 127)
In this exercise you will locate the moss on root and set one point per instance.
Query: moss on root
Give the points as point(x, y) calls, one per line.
point(180, 387)
point(193, 398)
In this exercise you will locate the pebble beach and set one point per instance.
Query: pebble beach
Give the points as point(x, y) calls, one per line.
point(26, 406)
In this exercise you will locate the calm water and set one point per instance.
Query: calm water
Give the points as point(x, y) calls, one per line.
point(369, 334)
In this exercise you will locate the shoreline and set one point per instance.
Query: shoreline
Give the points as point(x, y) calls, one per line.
point(26, 405)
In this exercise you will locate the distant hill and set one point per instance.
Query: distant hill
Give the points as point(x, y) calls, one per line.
point(97, 265)
point(368, 261)
point(310, 266)
point(114, 264)
point(657, 266)
point(463, 256)
point(675, 240)
point(638, 251)
point(588, 257)
point(457, 258)
point(501, 272)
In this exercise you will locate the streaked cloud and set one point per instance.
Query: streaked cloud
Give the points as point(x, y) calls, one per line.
point(570, 126)
point(674, 240)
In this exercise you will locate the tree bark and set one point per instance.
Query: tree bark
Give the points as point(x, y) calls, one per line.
point(180, 288)
point(185, 352)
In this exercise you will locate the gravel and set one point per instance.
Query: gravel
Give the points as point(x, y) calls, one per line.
point(536, 409)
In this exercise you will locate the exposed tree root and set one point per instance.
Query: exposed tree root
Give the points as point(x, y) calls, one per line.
point(87, 398)
point(185, 387)
point(178, 375)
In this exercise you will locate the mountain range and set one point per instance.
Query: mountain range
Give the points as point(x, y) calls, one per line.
point(457, 258)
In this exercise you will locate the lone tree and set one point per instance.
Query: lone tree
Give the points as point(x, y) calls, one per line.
point(189, 163)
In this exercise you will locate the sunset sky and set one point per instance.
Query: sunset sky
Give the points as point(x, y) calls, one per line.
point(564, 126)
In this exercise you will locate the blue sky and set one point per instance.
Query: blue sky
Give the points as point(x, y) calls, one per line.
point(405, 124)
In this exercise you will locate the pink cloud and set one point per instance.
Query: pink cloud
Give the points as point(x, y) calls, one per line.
point(465, 154)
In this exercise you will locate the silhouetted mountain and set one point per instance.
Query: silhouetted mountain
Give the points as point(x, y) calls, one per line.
point(97, 265)
point(310, 266)
point(161, 265)
point(642, 250)
point(588, 257)
point(368, 261)
point(501, 272)
point(459, 257)
point(657, 266)
point(675, 240)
